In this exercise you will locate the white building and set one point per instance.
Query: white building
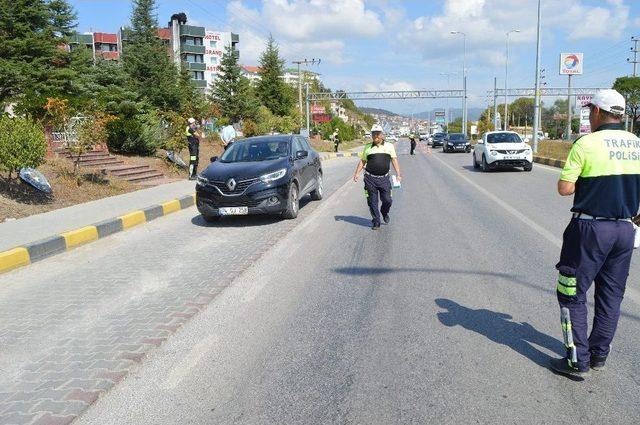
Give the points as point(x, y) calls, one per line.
point(215, 43)
point(251, 72)
point(290, 76)
point(339, 111)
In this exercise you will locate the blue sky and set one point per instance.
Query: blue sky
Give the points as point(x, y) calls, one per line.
point(379, 44)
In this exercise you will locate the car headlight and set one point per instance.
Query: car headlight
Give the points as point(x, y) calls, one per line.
point(450, 144)
point(494, 153)
point(202, 181)
point(273, 176)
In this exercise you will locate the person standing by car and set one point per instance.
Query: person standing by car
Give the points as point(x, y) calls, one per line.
point(376, 161)
point(228, 135)
point(602, 171)
point(412, 139)
point(194, 147)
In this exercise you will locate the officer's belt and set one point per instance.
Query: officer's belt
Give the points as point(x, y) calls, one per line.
point(583, 216)
point(375, 175)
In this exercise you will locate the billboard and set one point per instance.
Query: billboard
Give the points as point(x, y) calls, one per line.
point(585, 125)
point(440, 117)
point(317, 109)
point(318, 118)
point(570, 63)
point(584, 99)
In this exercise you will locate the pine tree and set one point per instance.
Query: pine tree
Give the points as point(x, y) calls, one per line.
point(151, 72)
point(272, 91)
point(32, 65)
point(232, 91)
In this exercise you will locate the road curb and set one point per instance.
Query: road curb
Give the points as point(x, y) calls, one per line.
point(35, 251)
point(549, 161)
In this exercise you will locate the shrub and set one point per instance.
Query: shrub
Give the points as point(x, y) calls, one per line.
point(138, 134)
point(22, 145)
point(90, 132)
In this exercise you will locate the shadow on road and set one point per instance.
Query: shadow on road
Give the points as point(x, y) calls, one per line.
point(501, 329)
point(359, 221)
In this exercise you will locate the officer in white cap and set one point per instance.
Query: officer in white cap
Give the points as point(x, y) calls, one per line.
point(194, 147)
point(602, 171)
point(376, 160)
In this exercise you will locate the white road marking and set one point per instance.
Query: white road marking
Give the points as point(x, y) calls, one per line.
point(631, 293)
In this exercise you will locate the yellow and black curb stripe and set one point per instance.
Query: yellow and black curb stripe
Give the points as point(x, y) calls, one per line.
point(333, 155)
point(549, 161)
point(39, 250)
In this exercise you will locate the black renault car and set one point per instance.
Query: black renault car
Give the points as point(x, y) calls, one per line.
point(438, 139)
point(456, 142)
point(260, 175)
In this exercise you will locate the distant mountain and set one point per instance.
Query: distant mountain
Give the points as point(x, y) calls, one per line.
point(378, 111)
point(473, 114)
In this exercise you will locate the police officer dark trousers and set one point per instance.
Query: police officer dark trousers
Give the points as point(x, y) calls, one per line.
point(194, 148)
point(376, 159)
point(603, 171)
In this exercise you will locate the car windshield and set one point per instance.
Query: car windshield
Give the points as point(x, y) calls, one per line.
point(456, 137)
point(439, 135)
point(256, 150)
point(503, 138)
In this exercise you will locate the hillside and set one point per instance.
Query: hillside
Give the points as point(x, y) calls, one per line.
point(378, 111)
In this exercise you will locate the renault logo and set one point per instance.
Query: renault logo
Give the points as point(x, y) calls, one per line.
point(231, 184)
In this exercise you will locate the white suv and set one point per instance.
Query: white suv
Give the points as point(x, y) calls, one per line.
point(502, 149)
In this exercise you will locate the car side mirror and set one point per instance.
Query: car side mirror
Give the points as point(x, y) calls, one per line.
point(480, 142)
point(526, 140)
point(302, 154)
point(214, 158)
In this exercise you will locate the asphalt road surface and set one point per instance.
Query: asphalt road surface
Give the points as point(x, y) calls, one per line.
point(446, 315)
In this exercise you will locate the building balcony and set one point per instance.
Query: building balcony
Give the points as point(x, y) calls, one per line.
point(235, 38)
point(81, 39)
point(108, 55)
point(191, 31)
point(190, 48)
point(195, 66)
point(202, 84)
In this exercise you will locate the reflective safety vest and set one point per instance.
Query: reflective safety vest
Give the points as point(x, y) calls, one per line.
point(605, 166)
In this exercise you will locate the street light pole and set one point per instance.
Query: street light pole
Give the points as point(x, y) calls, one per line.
point(464, 80)
point(447, 74)
point(536, 106)
point(506, 79)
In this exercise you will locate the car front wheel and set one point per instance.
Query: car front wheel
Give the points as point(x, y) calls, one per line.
point(528, 167)
point(485, 165)
point(293, 203)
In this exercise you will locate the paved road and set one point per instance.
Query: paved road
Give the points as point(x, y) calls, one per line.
point(447, 315)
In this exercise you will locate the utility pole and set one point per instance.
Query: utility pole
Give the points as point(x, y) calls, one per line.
point(536, 108)
point(568, 131)
point(634, 50)
point(301, 62)
point(495, 103)
point(506, 80)
point(464, 79)
point(308, 112)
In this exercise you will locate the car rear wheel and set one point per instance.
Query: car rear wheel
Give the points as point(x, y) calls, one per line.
point(475, 163)
point(485, 165)
point(317, 194)
point(293, 203)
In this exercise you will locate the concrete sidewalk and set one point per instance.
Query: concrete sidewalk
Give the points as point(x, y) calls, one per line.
point(29, 229)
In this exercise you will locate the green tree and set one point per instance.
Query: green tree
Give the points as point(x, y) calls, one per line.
point(151, 72)
point(271, 90)
point(32, 64)
point(629, 87)
point(22, 144)
point(232, 91)
point(521, 108)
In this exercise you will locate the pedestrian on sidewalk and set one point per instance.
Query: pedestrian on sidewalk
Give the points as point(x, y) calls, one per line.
point(376, 161)
point(194, 147)
point(228, 135)
point(412, 139)
point(602, 171)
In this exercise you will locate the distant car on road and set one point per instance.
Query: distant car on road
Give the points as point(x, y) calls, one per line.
point(260, 175)
point(423, 136)
point(456, 142)
point(438, 139)
point(391, 138)
point(502, 149)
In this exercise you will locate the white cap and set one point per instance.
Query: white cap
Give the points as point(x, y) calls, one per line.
point(191, 120)
point(377, 127)
point(609, 100)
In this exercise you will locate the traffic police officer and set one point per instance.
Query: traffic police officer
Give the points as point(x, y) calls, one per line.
point(603, 171)
point(412, 139)
point(376, 159)
point(194, 147)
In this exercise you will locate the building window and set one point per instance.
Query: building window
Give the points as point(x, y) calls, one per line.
point(193, 41)
point(214, 60)
point(193, 58)
point(197, 75)
point(213, 43)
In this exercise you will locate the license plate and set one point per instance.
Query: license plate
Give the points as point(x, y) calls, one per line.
point(234, 211)
point(511, 157)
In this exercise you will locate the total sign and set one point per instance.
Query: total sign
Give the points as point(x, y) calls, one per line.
point(570, 63)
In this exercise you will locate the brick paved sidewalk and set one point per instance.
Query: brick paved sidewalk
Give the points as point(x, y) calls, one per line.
point(74, 325)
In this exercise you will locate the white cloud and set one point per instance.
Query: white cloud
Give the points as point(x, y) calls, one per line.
point(303, 28)
point(486, 22)
point(387, 85)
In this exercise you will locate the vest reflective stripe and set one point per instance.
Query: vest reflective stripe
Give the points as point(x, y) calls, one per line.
point(186, 132)
point(567, 285)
